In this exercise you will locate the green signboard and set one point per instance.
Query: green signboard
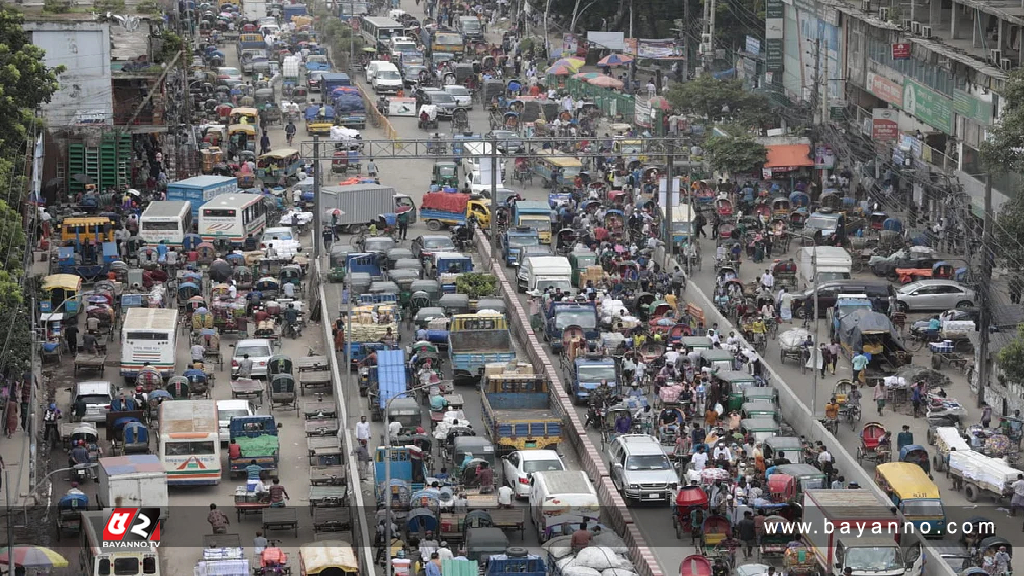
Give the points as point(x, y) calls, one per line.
point(928, 106)
point(774, 54)
point(971, 107)
point(775, 9)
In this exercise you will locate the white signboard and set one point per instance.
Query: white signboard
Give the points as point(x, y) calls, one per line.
point(401, 106)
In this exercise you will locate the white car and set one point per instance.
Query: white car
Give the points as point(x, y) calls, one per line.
point(463, 97)
point(229, 73)
point(228, 409)
point(284, 241)
point(259, 350)
point(518, 468)
point(933, 295)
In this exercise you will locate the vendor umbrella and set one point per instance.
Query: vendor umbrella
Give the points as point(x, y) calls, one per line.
point(613, 60)
point(34, 557)
point(586, 75)
point(559, 71)
point(574, 63)
point(606, 82)
point(660, 103)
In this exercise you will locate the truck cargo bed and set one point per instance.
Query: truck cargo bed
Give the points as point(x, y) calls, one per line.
point(480, 341)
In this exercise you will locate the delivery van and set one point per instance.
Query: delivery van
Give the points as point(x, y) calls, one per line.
point(540, 272)
point(558, 494)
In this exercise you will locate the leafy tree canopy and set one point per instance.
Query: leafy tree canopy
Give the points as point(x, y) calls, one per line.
point(25, 82)
point(722, 101)
point(1004, 152)
point(737, 152)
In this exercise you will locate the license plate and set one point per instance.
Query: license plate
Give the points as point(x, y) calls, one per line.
point(652, 497)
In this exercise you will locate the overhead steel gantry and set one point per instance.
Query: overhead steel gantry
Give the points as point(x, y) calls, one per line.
point(660, 150)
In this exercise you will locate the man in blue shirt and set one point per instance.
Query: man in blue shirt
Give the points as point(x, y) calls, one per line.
point(860, 362)
point(438, 403)
point(933, 326)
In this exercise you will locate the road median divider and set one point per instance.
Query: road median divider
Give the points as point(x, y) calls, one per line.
point(613, 507)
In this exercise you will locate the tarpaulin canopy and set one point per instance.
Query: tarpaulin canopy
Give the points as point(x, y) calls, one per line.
point(856, 324)
point(788, 156)
point(445, 202)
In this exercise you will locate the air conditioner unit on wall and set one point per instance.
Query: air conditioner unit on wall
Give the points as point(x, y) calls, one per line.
point(883, 14)
point(1005, 63)
point(907, 23)
point(915, 27)
point(865, 5)
point(994, 55)
point(926, 31)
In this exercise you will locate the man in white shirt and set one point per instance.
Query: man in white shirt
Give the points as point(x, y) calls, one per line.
point(768, 280)
point(1018, 495)
point(363, 429)
point(722, 452)
point(732, 340)
point(394, 429)
point(824, 456)
point(504, 497)
point(700, 459)
point(288, 289)
point(444, 553)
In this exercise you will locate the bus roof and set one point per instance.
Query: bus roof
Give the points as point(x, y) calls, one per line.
point(382, 22)
point(151, 319)
point(86, 220)
point(563, 161)
point(167, 209)
point(187, 416)
point(232, 200)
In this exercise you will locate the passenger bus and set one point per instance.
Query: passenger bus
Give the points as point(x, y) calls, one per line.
point(190, 442)
point(166, 221)
point(148, 336)
point(378, 30)
point(233, 217)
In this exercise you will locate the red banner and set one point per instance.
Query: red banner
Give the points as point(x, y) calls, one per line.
point(901, 51)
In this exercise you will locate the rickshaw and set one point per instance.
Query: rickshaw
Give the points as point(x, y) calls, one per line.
point(785, 273)
point(279, 364)
point(242, 137)
point(199, 381)
point(187, 291)
point(338, 260)
point(696, 565)
point(876, 220)
point(774, 543)
point(291, 274)
point(251, 115)
point(328, 558)
point(916, 454)
point(269, 286)
point(723, 207)
point(715, 530)
point(688, 499)
point(178, 387)
point(611, 415)
point(781, 207)
point(445, 173)
point(69, 513)
point(460, 120)
point(523, 172)
point(61, 293)
point(130, 436)
point(427, 117)
point(875, 444)
point(281, 391)
point(565, 240)
point(86, 432)
point(988, 547)
point(149, 378)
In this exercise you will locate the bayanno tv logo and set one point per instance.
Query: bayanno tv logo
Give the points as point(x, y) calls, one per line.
point(132, 528)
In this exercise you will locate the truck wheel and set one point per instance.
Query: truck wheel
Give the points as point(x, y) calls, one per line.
point(433, 225)
point(971, 492)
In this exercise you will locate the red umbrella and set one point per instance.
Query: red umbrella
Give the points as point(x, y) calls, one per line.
point(606, 82)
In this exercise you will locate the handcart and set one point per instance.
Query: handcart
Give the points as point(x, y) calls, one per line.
point(336, 475)
point(318, 408)
point(322, 427)
point(338, 519)
point(324, 450)
point(93, 362)
point(249, 502)
point(247, 388)
point(314, 379)
point(327, 497)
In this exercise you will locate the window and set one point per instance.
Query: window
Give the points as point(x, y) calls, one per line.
point(163, 226)
point(126, 566)
point(531, 466)
point(155, 336)
point(188, 448)
point(219, 212)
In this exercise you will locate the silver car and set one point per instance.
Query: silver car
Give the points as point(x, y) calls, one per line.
point(933, 295)
point(640, 469)
point(463, 97)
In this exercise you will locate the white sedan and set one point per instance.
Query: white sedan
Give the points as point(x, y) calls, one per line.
point(518, 468)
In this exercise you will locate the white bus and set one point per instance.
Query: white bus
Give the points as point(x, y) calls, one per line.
point(148, 336)
point(233, 217)
point(190, 442)
point(166, 221)
point(378, 30)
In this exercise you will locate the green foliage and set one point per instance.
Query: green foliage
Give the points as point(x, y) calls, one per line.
point(15, 313)
point(147, 7)
point(1010, 230)
point(172, 44)
point(57, 6)
point(1002, 152)
point(117, 6)
point(476, 284)
point(25, 82)
point(721, 101)
point(1011, 358)
point(735, 153)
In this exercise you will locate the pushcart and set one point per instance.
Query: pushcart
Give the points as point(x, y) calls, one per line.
point(324, 450)
point(327, 497)
point(281, 519)
point(336, 475)
point(322, 427)
point(247, 388)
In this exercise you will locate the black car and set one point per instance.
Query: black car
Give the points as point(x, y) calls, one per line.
point(426, 246)
point(881, 294)
point(444, 101)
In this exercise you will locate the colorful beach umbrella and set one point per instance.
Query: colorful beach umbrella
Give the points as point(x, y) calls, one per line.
point(574, 63)
point(613, 60)
point(559, 71)
point(34, 557)
point(606, 82)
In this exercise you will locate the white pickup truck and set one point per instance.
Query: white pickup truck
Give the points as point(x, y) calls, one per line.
point(285, 242)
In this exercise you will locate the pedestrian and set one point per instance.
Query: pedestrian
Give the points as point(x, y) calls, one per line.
point(218, 520)
point(403, 225)
point(363, 457)
point(264, 144)
point(986, 415)
point(879, 397)
point(826, 358)
point(51, 419)
point(12, 417)
point(245, 367)
point(916, 398)
point(833, 355)
point(363, 430)
point(860, 363)
point(747, 532)
point(71, 335)
point(1018, 495)
point(904, 438)
point(371, 168)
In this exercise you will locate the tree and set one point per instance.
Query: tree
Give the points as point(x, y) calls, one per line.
point(1011, 358)
point(735, 153)
point(1004, 150)
point(25, 83)
point(721, 101)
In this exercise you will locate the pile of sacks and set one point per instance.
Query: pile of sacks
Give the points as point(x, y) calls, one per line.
point(606, 556)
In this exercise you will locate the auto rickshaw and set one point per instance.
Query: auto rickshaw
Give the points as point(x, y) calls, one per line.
point(338, 260)
point(251, 116)
point(445, 173)
point(61, 293)
point(328, 558)
point(916, 454)
point(242, 137)
point(69, 513)
point(300, 95)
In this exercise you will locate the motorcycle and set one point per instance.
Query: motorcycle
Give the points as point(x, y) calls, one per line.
point(293, 330)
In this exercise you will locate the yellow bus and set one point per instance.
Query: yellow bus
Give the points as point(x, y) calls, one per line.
point(89, 228)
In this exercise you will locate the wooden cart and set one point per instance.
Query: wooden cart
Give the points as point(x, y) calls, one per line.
point(336, 519)
point(319, 408)
point(314, 380)
point(323, 427)
point(248, 503)
point(281, 519)
point(324, 450)
point(327, 497)
point(328, 475)
point(248, 388)
point(312, 363)
point(93, 362)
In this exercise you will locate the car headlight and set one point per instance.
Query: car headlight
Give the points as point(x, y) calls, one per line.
point(672, 486)
point(634, 486)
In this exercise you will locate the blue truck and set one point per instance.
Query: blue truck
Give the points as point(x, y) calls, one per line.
point(257, 438)
point(561, 315)
point(349, 108)
point(533, 214)
point(475, 340)
point(587, 375)
point(515, 238)
point(290, 10)
point(407, 470)
point(201, 189)
point(448, 266)
point(331, 80)
point(517, 413)
point(386, 382)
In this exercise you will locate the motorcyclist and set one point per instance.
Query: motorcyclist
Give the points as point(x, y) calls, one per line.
point(289, 131)
point(291, 318)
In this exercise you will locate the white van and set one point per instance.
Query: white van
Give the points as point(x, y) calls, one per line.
point(372, 67)
point(560, 493)
point(540, 272)
point(226, 410)
point(387, 79)
point(824, 264)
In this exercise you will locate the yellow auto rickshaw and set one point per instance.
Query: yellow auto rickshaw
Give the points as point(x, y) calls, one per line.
point(630, 150)
point(93, 229)
point(250, 115)
point(243, 136)
point(284, 162)
point(327, 558)
point(560, 169)
point(61, 293)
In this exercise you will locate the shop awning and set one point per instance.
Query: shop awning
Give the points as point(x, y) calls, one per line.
point(789, 156)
